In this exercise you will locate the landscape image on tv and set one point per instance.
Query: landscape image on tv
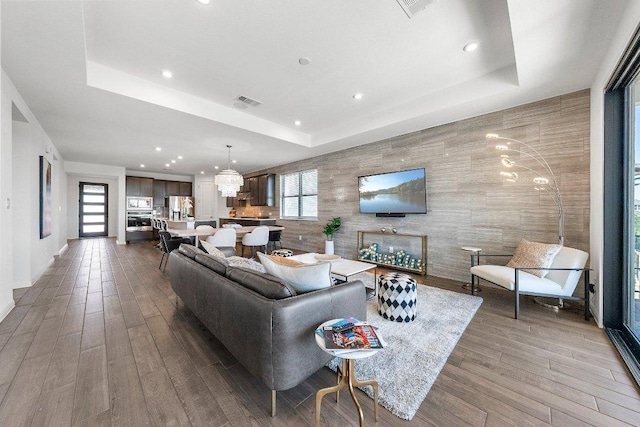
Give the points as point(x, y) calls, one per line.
point(394, 192)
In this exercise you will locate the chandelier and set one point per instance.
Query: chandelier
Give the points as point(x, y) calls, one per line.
point(229, 181)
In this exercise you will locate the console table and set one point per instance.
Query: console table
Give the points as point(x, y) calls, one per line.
point(388, 245)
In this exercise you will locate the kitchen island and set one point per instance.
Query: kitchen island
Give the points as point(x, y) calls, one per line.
point(248, 221)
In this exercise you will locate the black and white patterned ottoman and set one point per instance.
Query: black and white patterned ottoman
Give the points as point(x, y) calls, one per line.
point(397, 297)
point(282, 253)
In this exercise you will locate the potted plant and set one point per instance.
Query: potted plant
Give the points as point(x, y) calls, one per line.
point(329, 230)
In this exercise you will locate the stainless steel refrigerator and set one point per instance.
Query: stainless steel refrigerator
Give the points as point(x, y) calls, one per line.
point(179, 207)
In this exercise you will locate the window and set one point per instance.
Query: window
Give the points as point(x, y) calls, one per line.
point(299, 192)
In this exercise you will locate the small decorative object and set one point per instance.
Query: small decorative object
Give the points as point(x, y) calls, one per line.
point(395, 230)
point(383, 230)
point(284, 253)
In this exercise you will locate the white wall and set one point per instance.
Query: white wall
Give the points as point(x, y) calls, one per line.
point(21, 202)
point(73, 189)
point(626, 28)
point(117, 195)
point(33, 142)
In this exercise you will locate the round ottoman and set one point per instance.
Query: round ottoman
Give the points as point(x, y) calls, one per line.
point(282, 253)
point(397, 297)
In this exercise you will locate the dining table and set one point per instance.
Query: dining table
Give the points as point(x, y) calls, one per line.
point(199, 233)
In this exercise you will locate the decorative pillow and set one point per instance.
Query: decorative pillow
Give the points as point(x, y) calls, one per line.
point(302, 278)
point(284, 261)
point(532, 254)
point(210, 249)
point(238, 261)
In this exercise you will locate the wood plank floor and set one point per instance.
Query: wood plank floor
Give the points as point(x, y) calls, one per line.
point(99, 341)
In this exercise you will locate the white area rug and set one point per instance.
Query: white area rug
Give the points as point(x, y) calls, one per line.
point(415, 352)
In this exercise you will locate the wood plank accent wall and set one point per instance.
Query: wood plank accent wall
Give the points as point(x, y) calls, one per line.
point(468, 202)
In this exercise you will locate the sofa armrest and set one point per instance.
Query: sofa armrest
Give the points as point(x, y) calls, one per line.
point(296, 355)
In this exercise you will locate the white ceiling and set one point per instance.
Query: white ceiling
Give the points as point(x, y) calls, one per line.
point(91, 72)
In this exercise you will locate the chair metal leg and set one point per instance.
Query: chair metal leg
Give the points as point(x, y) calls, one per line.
point(586, 295)
point(473, 284)
point(242, 250)
point(161, 259)
point(517, 295)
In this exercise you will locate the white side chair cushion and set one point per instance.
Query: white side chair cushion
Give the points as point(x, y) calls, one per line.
point(302, 278)
point(505, 277)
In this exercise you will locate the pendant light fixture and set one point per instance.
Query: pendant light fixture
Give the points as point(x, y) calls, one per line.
point(229, 181)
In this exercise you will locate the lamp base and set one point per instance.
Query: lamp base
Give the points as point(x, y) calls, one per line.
point(551, 303)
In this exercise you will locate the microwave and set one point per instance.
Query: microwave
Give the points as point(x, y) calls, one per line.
point(139, 203)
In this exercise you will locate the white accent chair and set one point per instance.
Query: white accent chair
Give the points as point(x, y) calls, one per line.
point(224, 237)
point(258, 237)
point(560, 282)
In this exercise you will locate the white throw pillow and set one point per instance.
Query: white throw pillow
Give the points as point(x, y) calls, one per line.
point(210, 249)
point(302, 278)
point(532, 254)
point(238, 261)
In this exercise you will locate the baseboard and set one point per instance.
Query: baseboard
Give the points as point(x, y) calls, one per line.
point(7, 309)
point(63, 249)
point(23, 284)
point(119, 243)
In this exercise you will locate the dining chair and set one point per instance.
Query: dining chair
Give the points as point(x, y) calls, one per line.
point(274, 238)
point(168, 244)
point(224, 237)
point(258, 237)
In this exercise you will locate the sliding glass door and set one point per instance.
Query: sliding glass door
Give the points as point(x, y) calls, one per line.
point(631, 291)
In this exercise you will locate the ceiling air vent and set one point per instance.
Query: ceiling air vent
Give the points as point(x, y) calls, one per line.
point(411, 7)
point(249, 101)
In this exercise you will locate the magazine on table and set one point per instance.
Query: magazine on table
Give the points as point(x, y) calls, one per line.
point(359, 336)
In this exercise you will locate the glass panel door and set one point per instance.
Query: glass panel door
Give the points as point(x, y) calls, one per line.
point(631, 298)
point(94, 209)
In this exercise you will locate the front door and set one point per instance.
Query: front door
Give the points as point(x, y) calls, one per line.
point(94, 209)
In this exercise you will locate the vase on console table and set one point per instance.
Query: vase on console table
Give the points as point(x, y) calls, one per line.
point(328, 247)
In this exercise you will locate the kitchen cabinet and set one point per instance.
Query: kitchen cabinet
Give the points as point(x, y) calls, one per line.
point(262, 189)
point(141, 187)
point(159, 191)
point(172, 188)
point(185, 189)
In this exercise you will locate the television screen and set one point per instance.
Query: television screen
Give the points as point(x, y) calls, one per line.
point(393, 193)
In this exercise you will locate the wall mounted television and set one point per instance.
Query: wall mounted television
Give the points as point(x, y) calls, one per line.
point(393, 194)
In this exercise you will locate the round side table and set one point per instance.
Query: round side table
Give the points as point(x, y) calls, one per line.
point(348, 378)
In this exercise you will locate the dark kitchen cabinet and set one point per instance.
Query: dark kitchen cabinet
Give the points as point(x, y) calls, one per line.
point(185, 189)
point(159, 191)
point(172, 188)
point(254, 191)
point(262, 189)
point(141, 187)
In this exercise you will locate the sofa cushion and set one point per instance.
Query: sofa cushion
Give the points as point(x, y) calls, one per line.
point(189, 251)
point(210, 249)
point(303, 278)
point(212, 262)
point(532, 254)
point(262, 283)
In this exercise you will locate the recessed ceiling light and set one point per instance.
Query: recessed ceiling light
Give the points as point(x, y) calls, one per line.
point(304, 61)
point(233, 161)
point(141, 165)
point(179, 157)
point(357, 96)
point(158, 148)
point(167, 74)
point(216, 167)
point(173, 161)
point(167, 164)
point(201, 172)
point(203, 1)
point(297, 123)
point(470, 47)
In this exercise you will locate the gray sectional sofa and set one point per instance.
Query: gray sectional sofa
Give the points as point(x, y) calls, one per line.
point(267, 327)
